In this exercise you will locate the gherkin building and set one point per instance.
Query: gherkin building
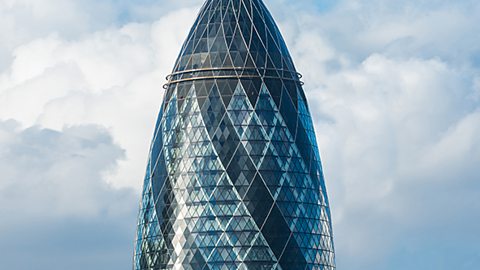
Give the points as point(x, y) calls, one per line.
point(234, 178)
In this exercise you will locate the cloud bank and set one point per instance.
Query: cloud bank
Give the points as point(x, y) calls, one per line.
point(394, 88)
point(57, 210)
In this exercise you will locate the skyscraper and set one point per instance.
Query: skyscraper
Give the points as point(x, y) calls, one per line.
point(234, 179)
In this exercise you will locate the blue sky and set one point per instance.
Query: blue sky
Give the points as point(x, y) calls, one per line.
point(394, 88)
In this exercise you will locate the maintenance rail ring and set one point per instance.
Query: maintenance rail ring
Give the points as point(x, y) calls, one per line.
point(171, 81)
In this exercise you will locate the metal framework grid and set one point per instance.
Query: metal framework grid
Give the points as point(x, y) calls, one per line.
point(234, 178)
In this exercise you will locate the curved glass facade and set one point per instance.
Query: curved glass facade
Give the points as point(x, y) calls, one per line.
point(234, 179)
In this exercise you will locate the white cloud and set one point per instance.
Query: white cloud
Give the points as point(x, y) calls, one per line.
point(393, 87)
point(394, 94)
point(398, 125)
point(57, 208)
point(49, 173)
point(112, 78)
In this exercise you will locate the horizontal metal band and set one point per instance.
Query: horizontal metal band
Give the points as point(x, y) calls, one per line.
point(231, 68)
point(236, 76)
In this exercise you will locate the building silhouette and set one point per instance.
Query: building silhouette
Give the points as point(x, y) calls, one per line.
point(234, 178)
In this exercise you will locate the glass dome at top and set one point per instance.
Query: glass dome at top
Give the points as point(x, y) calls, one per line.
point(234, 178)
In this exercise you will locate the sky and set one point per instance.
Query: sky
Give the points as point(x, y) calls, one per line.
point(393, 87)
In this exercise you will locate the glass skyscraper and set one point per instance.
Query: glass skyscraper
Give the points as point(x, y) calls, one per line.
point(234, 179)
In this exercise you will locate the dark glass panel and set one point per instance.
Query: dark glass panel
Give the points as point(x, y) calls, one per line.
point(258, 201)
point(276, 231)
